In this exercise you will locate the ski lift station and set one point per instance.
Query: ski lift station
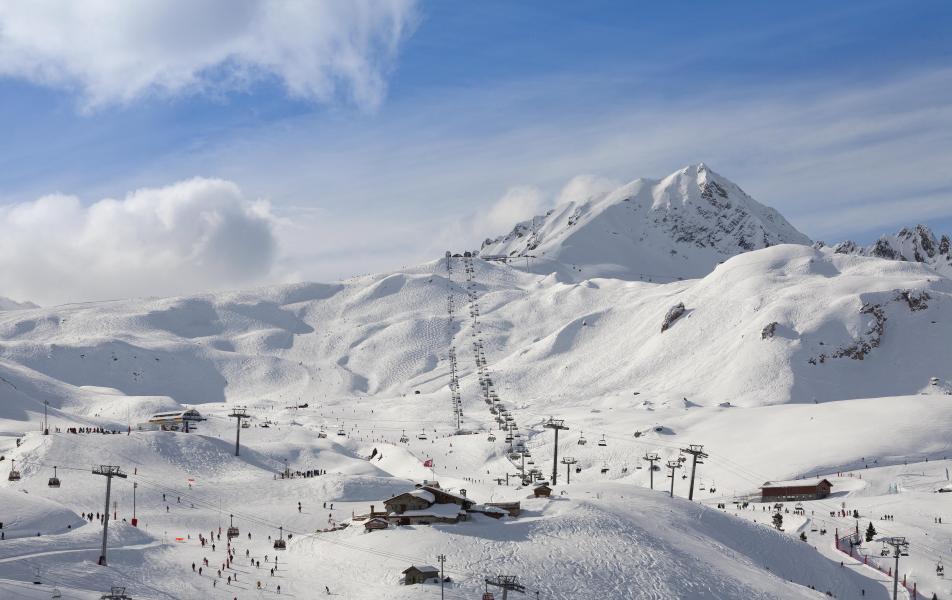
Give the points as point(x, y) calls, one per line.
point(798, 489)
point(182, 420)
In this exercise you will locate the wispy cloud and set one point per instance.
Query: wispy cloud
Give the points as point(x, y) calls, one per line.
point(114, 52)
point(820, 152)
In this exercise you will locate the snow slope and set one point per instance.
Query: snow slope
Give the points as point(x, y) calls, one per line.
point(676, 228)
point(784, 361)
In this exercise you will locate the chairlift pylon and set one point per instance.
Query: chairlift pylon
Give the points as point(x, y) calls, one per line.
point(280, 544)
point(232, 530)
point(54, 481)
point(14, 474)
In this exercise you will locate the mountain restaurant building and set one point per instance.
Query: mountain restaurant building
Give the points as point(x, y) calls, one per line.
point(798, 489)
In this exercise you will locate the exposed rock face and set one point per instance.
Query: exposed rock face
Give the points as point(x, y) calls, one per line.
point(918, 244)
point(674, 313)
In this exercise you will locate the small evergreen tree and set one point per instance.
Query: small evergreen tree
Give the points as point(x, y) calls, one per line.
point(803, 536)
point(855, 514)
point(870, 532)
point(778, 520)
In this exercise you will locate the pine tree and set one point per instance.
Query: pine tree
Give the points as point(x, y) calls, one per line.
point(870, 532)
point(778, 521)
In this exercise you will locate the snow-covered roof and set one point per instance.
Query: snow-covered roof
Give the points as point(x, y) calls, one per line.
point(448, 493)
point(795, 483)
point(423, 569)
point(437, 510)
point(418, 493)
point(488, 509)
point(423, 494)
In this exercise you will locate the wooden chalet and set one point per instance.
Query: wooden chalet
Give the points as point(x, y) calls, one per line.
point(420, 574)
point(542, 491)
point(376, 523)
point(795, 490)
point(426, 505)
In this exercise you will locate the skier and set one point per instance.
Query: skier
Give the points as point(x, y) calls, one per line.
point(328, 590)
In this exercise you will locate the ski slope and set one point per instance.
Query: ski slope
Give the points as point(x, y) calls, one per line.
point(785, 361)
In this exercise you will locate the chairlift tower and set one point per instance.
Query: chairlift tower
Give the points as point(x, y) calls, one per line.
point(673, 465)
point(556, 425)
point(697, 453)
point(116, 593)
point(568, 461)
point(238, 413)
point(652, 458)
point(108, 471)
point(900, 548)
point(507, 583)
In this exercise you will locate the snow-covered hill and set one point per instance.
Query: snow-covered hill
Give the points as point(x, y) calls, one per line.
point(678, 227)
point(784, 361)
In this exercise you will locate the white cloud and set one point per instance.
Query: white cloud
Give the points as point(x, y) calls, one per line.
point(585, 187)
point(114, 52)
point(517, 204)
point(195, 235)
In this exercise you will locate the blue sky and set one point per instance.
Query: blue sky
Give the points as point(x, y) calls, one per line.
point(837, 114)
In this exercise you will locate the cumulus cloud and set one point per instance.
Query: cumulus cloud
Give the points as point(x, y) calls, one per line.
point(195, 235)
point(114, 52)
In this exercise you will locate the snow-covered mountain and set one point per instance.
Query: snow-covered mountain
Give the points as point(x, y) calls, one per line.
point(677, 228)
point(9, 304)
point(918, 244)
point(782, 359)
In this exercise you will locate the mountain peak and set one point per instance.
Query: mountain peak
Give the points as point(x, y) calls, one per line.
point(677, 227)
point(916, 244)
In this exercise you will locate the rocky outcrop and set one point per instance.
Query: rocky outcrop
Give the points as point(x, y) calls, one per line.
point(674, 313)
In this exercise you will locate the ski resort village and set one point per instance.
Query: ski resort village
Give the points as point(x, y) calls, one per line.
point(409, 300)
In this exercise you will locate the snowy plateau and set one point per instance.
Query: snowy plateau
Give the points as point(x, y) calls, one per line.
point(664, 314)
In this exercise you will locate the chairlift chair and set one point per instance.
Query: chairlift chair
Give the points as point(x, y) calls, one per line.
point(280, 544)
point(602, 442)
point(340, 431)
point(232, 530)
point(581, 439)
point(604, 469)
point(403, 437)
point(245, 424)
point(54, 480)
point(421, 435)
point(940, 569)
point(491, 437)
point(14, 474)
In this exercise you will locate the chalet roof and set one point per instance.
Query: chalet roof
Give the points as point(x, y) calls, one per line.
point(438, 492)
point(485, 508)
point(418, 493)
point(795, 483)
point(447, 510)
point(422, 569)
